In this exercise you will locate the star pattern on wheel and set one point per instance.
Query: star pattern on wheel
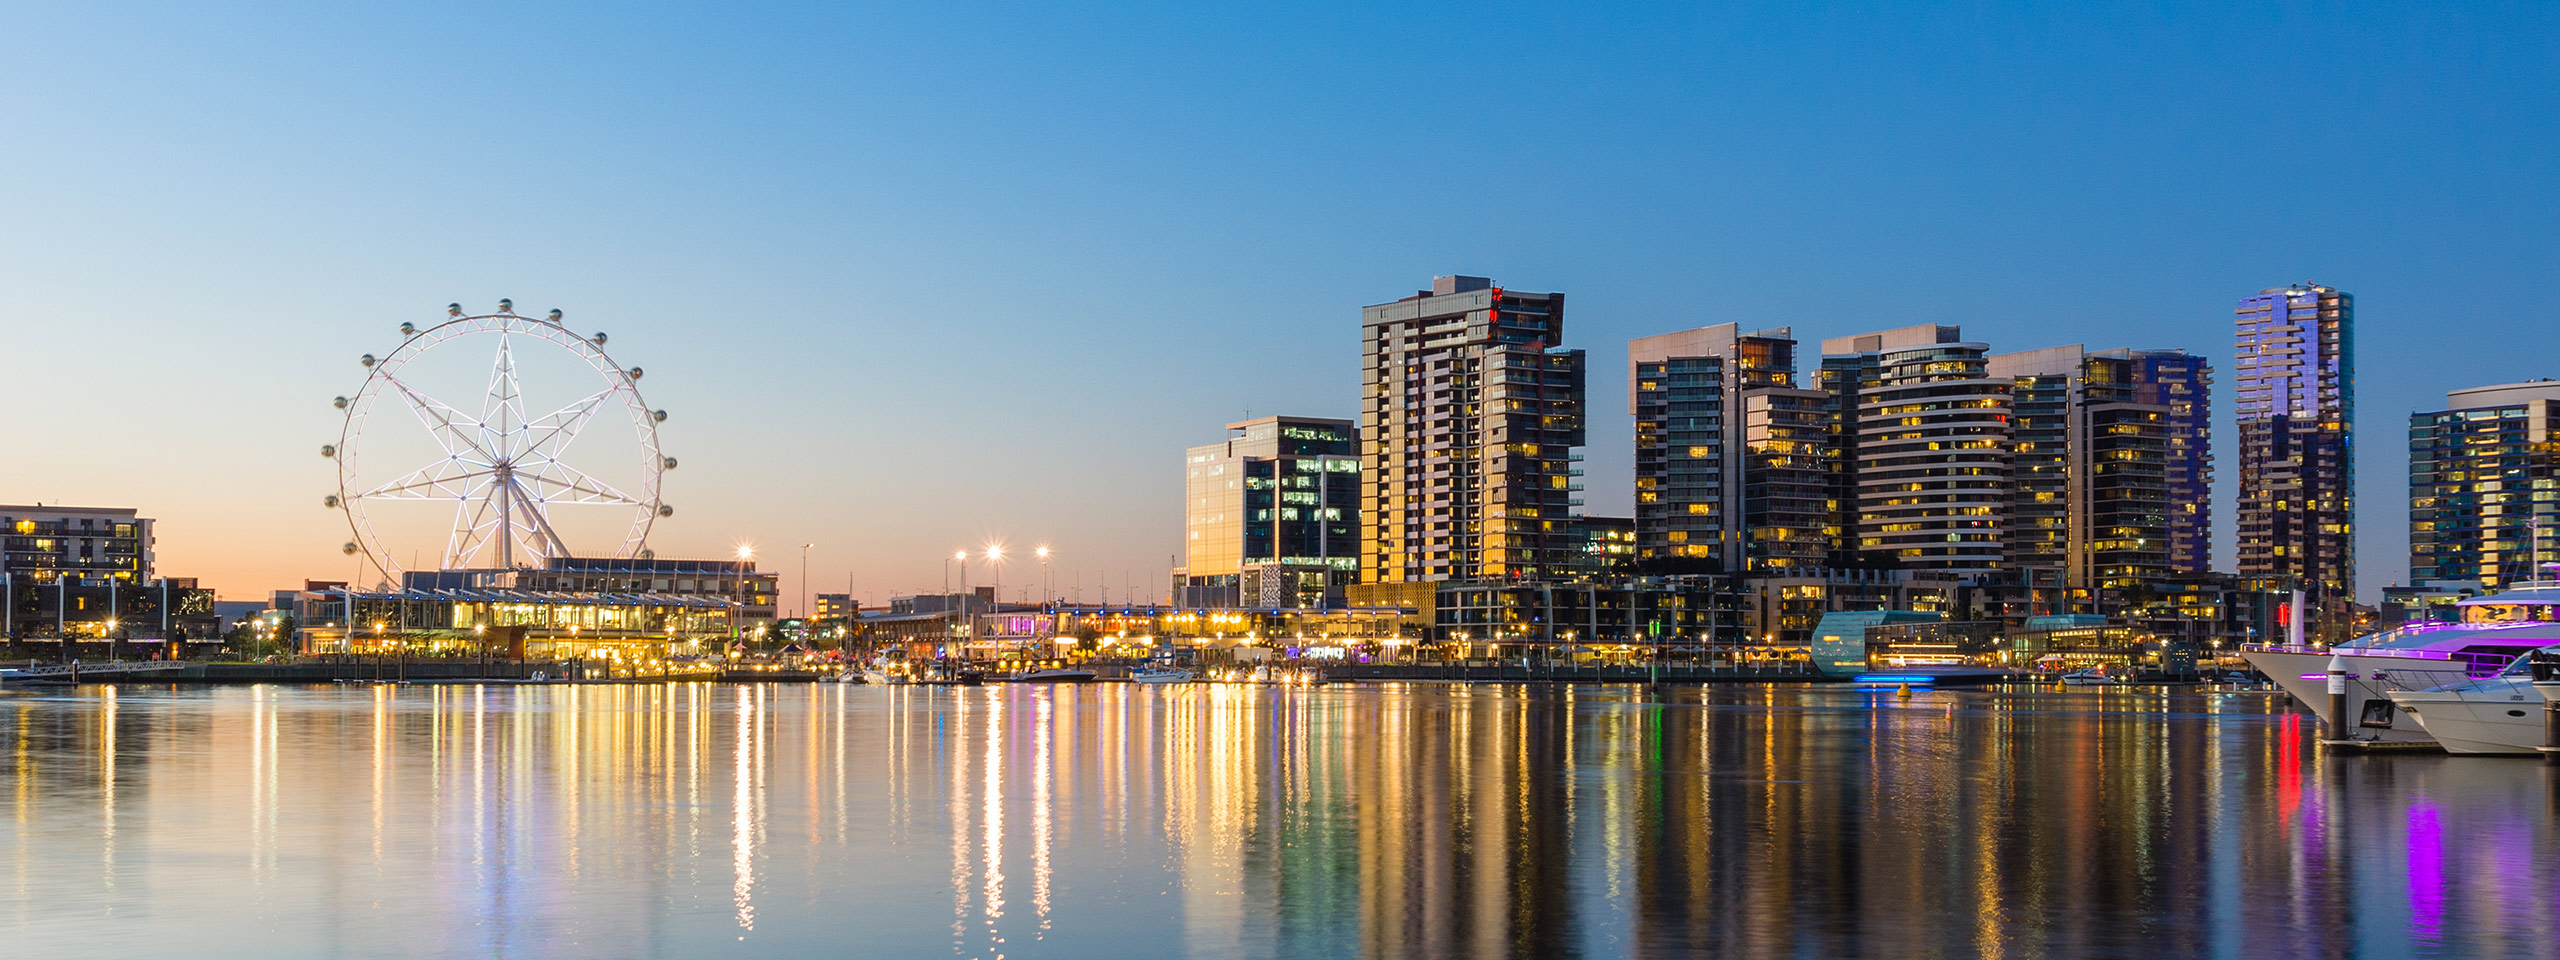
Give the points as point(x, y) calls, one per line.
point(502, 470)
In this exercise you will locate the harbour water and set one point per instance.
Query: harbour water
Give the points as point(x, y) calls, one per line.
point(1424, 821)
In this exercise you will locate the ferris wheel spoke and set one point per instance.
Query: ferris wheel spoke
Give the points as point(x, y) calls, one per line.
point(502, 470)
point(502, 414)
point(549, 435)
point(556, 482)
point(471, 521)
point(447, 425)
point(435, 481)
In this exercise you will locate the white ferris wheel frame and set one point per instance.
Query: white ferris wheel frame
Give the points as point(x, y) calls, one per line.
point(501, 468)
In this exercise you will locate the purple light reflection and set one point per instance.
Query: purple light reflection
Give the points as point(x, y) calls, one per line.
point(2426, 873)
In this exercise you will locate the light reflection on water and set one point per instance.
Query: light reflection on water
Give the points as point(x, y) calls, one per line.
point(1121, 820)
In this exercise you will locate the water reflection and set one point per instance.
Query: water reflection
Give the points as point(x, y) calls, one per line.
point(1248, 822)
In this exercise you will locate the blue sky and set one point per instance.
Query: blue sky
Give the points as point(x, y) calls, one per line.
point(911, 279)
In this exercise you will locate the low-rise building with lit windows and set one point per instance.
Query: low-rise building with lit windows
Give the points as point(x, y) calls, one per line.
point(84, 574)
point(572, 606)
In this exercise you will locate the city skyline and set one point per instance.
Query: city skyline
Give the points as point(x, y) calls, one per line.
point(871, 347)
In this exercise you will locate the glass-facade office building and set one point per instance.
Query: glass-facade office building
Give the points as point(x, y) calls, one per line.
point(1271, 515)
point(2483, 497)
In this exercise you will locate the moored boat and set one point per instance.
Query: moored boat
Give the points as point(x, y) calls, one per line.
point(2493, 631)
point(1157, 674)
point(2492, 715)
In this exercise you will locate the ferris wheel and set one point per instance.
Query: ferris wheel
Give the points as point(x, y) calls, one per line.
point(511, 479)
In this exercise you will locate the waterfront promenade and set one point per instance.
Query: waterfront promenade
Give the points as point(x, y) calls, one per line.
point(1367, 820)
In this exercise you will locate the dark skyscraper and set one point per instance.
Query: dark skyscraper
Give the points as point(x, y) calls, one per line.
point(2295, 400)
point(2182, 383)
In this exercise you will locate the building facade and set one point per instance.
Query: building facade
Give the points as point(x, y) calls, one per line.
point(2182, 384)
point(2090, 463)
point(1608, 545)
point(2294, 397)
point(750, 593)
point(2484, 496)
point(41, 544)
point(1276, 502)
point(1926, 443)
point(835, 606)
point(1730, 457)
point(86, 574)
point(1469, 419)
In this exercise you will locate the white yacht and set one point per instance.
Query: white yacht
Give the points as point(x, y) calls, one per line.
point(1155, 673)
point(2491, 632)
point(879, 672)
point(2499, 714)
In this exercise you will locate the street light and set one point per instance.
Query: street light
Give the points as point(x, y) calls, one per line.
point(995, 553)
point(1043, 554)
point(804, 584)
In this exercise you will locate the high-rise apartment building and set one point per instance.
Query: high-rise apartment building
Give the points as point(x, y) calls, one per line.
point(1469, 416)
point(1732, 460)
point(2089, 468)
point(2295, 401)
point(2484, 494)
point(1278, 499)
point(1925, 447)
point(2182, 383)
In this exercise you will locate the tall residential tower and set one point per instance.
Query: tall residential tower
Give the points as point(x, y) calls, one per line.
point(1733, 462)
point(1469, 416)
point(1924, 446)
point(2295, 400)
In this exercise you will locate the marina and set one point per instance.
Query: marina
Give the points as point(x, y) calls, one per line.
point(1243, 821)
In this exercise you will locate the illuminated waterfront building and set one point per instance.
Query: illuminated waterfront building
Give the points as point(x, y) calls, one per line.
point(2182, 383)
point(2089, 468)
point(835, 606)
point(1925, 440)
point(1469, 417)
point(1272, 513)
point(1608, 545)
point(85, 573)
point(40, 544)
point(2295, 401)
point(2483, 493)
point(1733, 462)
point(568, 605)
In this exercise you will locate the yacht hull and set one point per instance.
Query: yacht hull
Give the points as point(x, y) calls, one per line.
point(2477, 723)
point(2305, 675)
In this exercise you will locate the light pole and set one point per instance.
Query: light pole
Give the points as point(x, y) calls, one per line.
point(804, 586)
point(1043, 554)
point(746, 555)
point(994, 554)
